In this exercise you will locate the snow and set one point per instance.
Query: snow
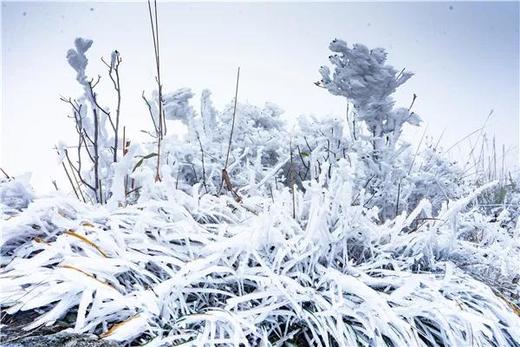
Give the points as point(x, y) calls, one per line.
point(192, 268)
point(336, 232)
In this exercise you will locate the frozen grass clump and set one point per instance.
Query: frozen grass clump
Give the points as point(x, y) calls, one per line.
point(204, 269)
point(15, 194)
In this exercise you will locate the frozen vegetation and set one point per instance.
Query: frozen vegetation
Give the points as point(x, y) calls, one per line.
point(245, 232)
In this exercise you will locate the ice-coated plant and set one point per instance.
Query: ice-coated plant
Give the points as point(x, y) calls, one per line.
point(90, 171)
point(328, 234)
point(364, 78)
point(258, 145)
point(206, 270)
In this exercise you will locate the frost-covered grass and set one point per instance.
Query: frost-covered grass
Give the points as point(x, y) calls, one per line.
point(331, 233)
point(191, 269)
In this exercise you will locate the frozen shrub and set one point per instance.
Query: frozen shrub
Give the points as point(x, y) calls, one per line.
point(367, 82)
point(361, 76)
point(432, 177)
point(375, 246)
point(258, 143)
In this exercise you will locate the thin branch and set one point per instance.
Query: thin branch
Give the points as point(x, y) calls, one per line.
point(155, 37)
point(291, 177)
point(233, 120)
point(151, 113)
point(413, 101)
point(417, 150)
point(78, 171)
point(5, 173)
point(93, 97)
point(224, 170)
point(68, 176)
point(398, 197)
point(96, 150)
point(203, 167)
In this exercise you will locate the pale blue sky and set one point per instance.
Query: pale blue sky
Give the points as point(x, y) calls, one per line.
point(465, 56)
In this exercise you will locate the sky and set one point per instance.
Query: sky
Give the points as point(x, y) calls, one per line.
point(465, 56)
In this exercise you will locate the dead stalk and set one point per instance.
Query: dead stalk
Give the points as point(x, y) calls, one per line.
point(113, 73)
point(154, 23)
point(5, 173)
point(291, 175)
point(224, 170)
point(203, 167)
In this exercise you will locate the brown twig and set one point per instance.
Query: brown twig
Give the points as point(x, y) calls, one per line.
point(233, 120)
point(224, 171)
point(229, 186)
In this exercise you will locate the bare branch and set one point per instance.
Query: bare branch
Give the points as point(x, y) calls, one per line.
point(151, 113)
point(231, 133)
point(203, 167)
point(233, 120)
point(154, 23)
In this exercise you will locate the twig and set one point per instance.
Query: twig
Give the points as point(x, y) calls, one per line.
point(413, 100)
point(417, 150)
point(70, 180)
point(125, 150)
point(224, 171)
point(271, 191)
point(233, 120)
point(364, 187)
point(306, 166)
point(133, 190)
point(67, 174)
point(151, 113)
point(203, 167)
point(291, 177)
point(96, 152)
point(78, 185)
point(100, 192)
point(155, 37)
point(124, 153)
point(398, 196)
point(400, 73)
point(113, 68)
point(5, 173)
point(229, 186)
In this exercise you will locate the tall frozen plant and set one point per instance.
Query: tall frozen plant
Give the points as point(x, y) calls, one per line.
point(367, 82)
point(97, 129)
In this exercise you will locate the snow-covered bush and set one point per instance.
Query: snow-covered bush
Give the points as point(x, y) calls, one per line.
point(318, 143)
point(258, 145)
point(361, 76)
point(329, 234)
point(208, 270)
point(434, 177)
point(367, 82)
